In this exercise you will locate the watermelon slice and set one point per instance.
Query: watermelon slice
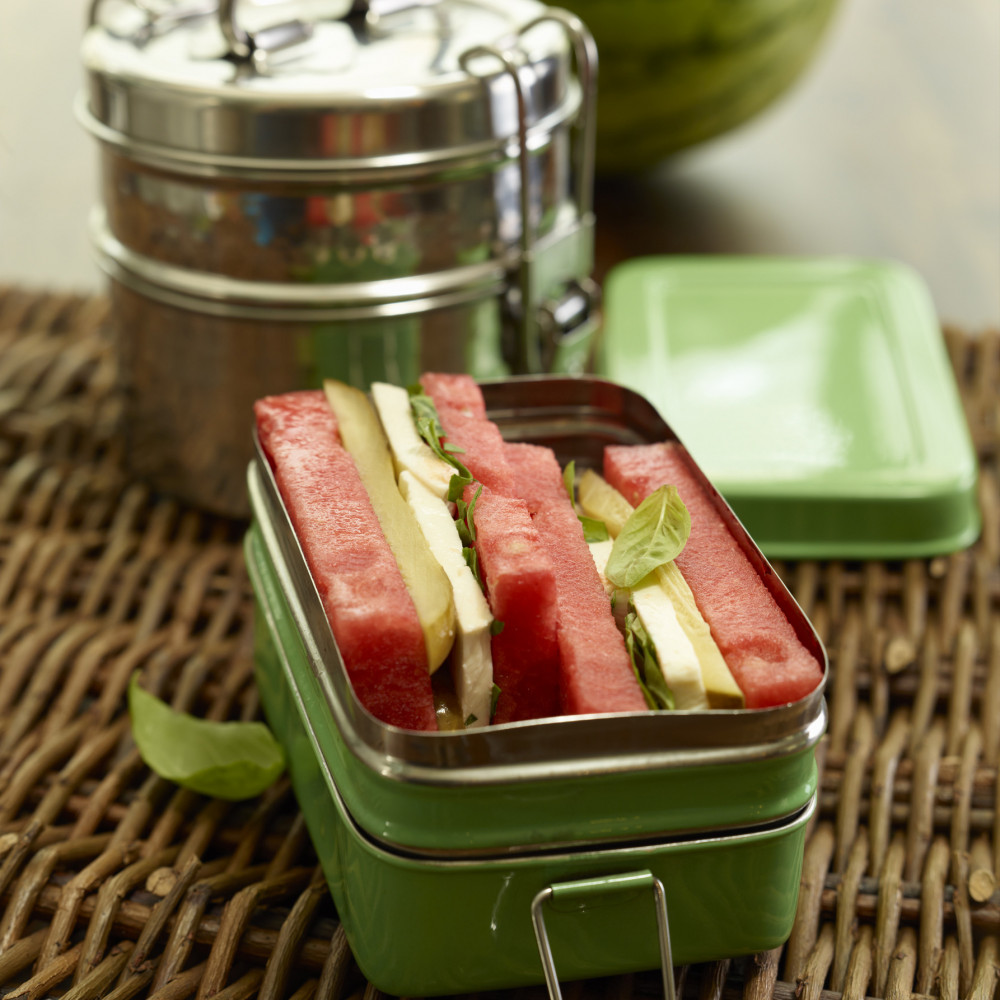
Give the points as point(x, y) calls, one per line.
point(462, 411)
point(519, 581)
point(769, 663)
point(457, 392)
point(370, 611)
point(596, 673)
point(517, 574)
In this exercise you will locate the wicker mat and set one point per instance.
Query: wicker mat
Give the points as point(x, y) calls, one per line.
point(113, 883)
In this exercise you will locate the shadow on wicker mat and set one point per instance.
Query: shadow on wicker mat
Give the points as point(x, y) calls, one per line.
point(115, 884)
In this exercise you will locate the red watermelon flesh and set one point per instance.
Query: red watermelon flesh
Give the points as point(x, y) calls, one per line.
point(767, 660)
point(519, 582)
point(458, 392)
point(370, 611)
point(464, 425)
point(596, 672)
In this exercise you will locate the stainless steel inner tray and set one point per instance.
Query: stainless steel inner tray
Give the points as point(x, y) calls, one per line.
point(577, 417)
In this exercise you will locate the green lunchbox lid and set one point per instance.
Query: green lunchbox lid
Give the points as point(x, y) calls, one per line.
point(815, 393)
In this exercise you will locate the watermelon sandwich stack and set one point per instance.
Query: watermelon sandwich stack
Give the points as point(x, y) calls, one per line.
point(769, 663)
point(433, 540)
point(559, 651)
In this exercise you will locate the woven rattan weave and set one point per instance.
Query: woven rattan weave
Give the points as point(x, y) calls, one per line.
point(113, 883)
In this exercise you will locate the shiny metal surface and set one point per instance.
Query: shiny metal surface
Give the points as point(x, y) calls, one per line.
point(193, 376)
point(333, 230)
point(220, 295)
point(577, 417)
point(244, 45)
point(399, 98)
point(370, 201)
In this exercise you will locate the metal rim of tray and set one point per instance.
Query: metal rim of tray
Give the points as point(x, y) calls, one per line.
point(545, 749)
point(611, 850)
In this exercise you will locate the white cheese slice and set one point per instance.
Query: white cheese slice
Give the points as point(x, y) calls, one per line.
point(678, 658)
point(677, 655)
point(409, 450)
point(601, 500)
point(471, 659)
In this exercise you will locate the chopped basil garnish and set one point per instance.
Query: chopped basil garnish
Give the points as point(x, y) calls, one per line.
point(646, 665)
point(466, 524)
point(428, 424)
point(593, 529)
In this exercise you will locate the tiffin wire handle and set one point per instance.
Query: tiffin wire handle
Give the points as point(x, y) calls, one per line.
point(585, 53)
point(597, 886)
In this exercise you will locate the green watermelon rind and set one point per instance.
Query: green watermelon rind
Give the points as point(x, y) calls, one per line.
point(675, 73)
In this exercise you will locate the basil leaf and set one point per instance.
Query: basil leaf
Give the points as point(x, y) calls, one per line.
point(466, 525)
point(646, 665)
point(471, 558)
point(227, 760)
point(594, 530)
point(467, 517)
point(569, 481)
point(654, 534)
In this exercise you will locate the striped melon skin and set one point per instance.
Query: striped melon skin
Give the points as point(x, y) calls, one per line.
point(596, 672)
point(370, 611)
point(674, 73)
point(767, 660)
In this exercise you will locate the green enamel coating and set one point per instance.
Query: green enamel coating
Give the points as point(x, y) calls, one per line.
point(422, 926)
point(815, 394)
point(584, 889)
point(592, 807)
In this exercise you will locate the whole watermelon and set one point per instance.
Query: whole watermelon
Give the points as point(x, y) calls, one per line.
point(673, 73)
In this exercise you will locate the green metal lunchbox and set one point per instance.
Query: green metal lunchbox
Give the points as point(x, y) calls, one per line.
point(527, 852)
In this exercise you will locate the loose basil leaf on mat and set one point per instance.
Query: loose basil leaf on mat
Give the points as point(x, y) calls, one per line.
point(654, 534)
point(227, 760)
